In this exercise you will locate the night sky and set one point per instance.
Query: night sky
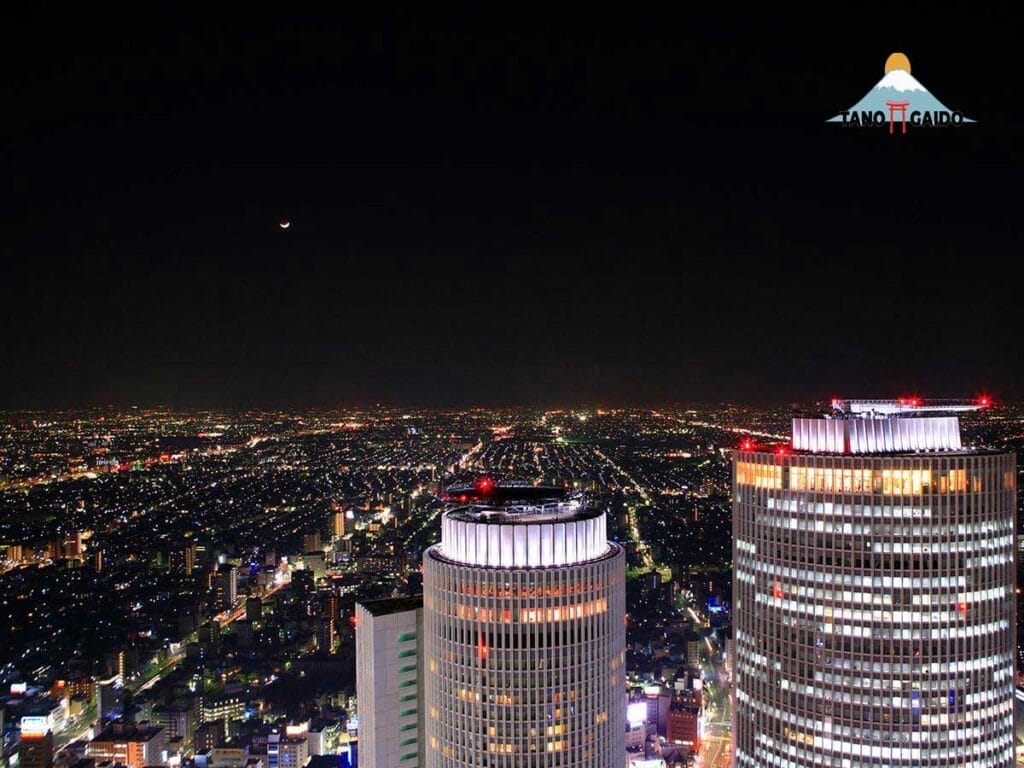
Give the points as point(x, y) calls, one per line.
point(576, 210)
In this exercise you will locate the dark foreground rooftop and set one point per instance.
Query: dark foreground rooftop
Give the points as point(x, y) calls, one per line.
point(389, 605)
point(500, 495)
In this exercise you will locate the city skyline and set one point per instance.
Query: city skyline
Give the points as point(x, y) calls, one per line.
point(633, 212)
point(183, 582)
point(381, 388)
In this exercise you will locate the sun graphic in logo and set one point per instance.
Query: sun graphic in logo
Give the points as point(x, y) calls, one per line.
point(897, 61)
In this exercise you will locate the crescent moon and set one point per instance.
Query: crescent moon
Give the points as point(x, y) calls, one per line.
point(285, 224)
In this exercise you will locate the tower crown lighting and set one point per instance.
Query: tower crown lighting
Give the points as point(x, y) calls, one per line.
point(906, 406)
point(885, 426)
point(524, 631)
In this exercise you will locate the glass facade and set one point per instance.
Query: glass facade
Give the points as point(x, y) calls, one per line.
point(524, 666)
point(874, 601)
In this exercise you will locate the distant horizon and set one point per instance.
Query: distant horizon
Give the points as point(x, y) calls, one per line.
point(579, 406)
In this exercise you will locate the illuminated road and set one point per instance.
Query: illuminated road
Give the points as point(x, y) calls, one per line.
point(465, 461)
point(428, 521)
point(714, 752)
point(80, 728)
point(169, 663)
point(633, 525)
point(143, 464)
point(732, 429)
point(467, 458)
point(224, 618)
point(87, 719)
point(84, 722)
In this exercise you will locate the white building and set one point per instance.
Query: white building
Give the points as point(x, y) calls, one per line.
point(287, 751)
point(316, 563)
point(524, 634)
point(874, 601)
point(389, 682)
point(226, 707)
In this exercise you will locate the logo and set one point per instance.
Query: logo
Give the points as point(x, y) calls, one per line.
point(898, 99)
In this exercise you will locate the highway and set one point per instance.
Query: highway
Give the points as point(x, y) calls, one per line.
point(715, 752)
point(80, 727)
point(225, 618)
point(633, 524)
point(716, 741)
point(76, 729)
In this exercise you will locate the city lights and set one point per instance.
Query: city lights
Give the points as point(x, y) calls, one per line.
point(331, 515)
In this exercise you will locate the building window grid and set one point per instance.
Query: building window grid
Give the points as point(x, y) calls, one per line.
point(474, 716)
point(970, 645)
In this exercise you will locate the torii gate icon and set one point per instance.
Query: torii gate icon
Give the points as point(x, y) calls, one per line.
point(901, 107)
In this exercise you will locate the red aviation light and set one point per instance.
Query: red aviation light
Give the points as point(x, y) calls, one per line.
point(485, 485)
point(985, 401)
point(782, 450)
point(747, 445)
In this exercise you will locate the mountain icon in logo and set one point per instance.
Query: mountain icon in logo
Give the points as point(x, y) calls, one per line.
point(896, 87)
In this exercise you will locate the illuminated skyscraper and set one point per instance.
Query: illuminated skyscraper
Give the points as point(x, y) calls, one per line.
point(874, 597)
point(71, 547)
point(325, 634)
point(225, 587)
point(183, 560)
point(524, 634)
point(337, 518)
